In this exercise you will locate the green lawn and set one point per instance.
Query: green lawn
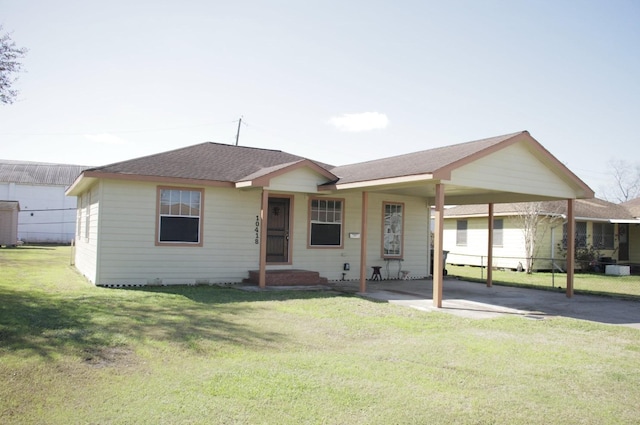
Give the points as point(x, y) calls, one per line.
point(587, 283)
point(74, 353)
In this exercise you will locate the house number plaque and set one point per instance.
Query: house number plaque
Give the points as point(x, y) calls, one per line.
point(257, 240)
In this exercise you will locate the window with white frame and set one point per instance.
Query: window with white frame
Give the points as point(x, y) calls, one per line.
point(392, 230)
point(325, 222)
point(180, 215)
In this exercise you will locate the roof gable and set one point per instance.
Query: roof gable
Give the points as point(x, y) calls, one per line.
point(417, 163)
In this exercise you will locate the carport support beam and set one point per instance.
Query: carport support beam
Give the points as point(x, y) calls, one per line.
point(363, 242)
point(490, 249)
point(437, 246)
point(571, 245)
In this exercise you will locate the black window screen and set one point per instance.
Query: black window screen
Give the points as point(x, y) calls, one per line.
point(325, 234)
point(179, 229)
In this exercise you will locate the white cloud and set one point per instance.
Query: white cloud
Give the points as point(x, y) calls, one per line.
point(105, 139)
point(364, 121)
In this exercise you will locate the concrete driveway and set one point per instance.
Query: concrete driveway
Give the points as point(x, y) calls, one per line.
point(475, 300)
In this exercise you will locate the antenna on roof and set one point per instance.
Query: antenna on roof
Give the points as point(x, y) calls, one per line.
point(238, 132)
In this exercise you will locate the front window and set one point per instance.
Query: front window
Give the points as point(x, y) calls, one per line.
point(392, 230)
point(603, 235)
point(325, 227)
point(180, 215)
point(581, 235)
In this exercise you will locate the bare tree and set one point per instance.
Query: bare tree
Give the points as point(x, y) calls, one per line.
point(626, 181)
point(535, 219)
point(10, 56)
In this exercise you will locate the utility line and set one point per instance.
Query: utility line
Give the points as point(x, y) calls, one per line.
point(116, 131)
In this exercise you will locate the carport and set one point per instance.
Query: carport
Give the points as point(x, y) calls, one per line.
point(510, 168)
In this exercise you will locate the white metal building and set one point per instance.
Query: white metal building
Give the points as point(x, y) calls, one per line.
point(46, 214)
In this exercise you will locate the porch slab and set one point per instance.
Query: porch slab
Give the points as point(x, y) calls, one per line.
point(288, 277)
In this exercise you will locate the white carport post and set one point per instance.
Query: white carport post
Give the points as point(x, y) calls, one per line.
point(363, 242)
point(437, 246)
point(571, 245)
point(490, 248)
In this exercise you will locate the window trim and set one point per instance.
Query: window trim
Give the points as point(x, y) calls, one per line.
point(159, 190)
point(382, 253)
point(309, 223)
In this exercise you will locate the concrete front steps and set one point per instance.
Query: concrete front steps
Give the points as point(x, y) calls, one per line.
point(288, 278)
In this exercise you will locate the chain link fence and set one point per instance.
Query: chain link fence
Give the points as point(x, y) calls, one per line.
point(549, 273)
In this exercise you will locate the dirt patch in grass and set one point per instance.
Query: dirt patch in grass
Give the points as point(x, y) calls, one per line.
point(99, 357)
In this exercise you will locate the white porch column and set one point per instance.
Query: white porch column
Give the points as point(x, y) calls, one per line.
point(363, 242)
point(438, 234)
point(571, 245)
point(264, 205)
point(490, 249)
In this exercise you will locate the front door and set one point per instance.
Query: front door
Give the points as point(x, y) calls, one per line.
point(278, 230)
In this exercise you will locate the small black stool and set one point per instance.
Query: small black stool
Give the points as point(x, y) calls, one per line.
point(376, 273)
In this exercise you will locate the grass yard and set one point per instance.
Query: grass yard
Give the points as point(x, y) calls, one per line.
point(586, 283)
point(74, 353)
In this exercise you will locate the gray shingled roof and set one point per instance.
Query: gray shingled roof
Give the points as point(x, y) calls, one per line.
point(595, 208)
point(206, 161)
point(423, 162)
point(41, 173)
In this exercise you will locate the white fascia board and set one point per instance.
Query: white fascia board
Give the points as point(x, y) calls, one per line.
point(387, 181)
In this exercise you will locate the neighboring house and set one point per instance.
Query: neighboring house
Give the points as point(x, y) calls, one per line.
point(607, 227)
point(9, 223)
point(46, 213)
point(633, 206)
point(215, 213)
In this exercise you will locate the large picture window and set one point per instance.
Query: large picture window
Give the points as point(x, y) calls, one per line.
point(392, 230)
point(325, 227)
point(180, 215)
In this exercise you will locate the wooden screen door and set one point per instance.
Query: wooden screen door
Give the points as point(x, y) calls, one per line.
point(278, 230)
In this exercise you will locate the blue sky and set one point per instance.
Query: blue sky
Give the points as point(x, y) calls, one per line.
point(335, 81)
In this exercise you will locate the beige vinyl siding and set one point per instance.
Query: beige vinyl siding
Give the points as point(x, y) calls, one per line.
point(329, 261)
point(86, 258)
point(300, 180)
point(512, 169)
point(129, 254)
